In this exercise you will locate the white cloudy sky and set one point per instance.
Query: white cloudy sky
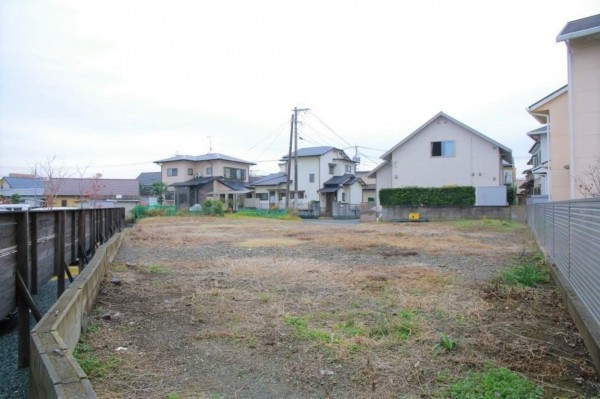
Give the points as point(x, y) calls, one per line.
point(116, 85)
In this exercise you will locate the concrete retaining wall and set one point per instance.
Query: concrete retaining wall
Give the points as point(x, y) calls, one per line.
point(54, 373)
point(391, 213)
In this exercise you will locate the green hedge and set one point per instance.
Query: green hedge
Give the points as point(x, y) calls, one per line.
point(428, 196)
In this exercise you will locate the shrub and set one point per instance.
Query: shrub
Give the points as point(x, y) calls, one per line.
point(213, 208)
point(495, 383)
point(428, 196)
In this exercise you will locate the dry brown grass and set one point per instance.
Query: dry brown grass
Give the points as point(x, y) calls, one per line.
point(280, 309)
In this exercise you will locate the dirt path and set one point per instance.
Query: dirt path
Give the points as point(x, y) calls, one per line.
point(250, 308)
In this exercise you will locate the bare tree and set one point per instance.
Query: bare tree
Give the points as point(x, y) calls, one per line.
point(588, 183)
point(53, 175)
point(81, 172)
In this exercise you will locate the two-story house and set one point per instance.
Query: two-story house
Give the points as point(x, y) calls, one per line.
point(446, 152)
point(193, 178)
point(571, 114)
point(325, 174)
point(537, 173)
point(582, 39)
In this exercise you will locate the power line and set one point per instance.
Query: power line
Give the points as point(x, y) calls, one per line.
point(277, 130)
point(330, 129)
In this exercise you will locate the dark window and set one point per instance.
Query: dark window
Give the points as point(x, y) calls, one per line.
point(331, 168)
point(235, 174)
point(172, 172)
point(190, 172)
point(63, 203)
point(311, 178)
point(442, 149)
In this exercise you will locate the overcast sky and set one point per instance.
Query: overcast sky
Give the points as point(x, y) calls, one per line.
point(115, 85)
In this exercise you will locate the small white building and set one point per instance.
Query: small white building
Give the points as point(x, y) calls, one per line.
point(446, 152)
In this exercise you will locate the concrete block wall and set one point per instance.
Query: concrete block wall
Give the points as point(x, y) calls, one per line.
point(54, 373)
point(391, 213)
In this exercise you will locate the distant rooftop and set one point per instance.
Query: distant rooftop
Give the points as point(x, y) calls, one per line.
point(206, 157)
point(24, 182)
point(579, 28)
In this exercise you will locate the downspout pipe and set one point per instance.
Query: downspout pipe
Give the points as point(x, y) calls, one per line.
point(571, 123)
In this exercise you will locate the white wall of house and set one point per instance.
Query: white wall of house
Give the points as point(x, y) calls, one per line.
point(319, 167)
point(384, 180)
point(476, 161)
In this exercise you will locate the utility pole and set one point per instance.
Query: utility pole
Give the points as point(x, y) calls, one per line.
point(289, 166)
point(295, 125)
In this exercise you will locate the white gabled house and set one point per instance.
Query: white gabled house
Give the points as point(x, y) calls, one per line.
point(446, 152)
point(325, 175)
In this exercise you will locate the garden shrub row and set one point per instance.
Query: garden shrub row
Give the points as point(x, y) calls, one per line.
point(428, 196)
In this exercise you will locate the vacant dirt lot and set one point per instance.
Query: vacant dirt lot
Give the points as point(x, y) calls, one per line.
point(252, 308)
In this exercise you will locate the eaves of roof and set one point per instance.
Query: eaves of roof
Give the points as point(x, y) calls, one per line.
point(580, 28)
point(533, 107)
point(373, 173)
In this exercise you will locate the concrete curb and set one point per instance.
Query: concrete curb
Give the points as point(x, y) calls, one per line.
point(54, 373)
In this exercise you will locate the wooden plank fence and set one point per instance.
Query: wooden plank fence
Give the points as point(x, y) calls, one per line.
point(37, 245)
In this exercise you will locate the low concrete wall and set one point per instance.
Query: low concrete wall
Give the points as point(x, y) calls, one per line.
point(54, 373)
point(391, 213)
point(584, 321)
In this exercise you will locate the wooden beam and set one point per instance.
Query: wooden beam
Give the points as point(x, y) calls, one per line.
point(22, 239)
point(34, 252)
point(26, 296)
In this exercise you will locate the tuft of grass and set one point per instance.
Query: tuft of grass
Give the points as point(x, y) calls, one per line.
point(90, 363)
point(446, 343)
point(158, 269)
point(494, 383)
point(302, 331)
point(398, 326)
point(172, 395)
point(525, 275)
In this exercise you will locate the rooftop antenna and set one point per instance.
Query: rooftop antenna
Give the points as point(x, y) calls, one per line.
point(209, 144)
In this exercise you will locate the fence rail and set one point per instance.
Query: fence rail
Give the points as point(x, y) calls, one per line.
point(569, 232)
point(36, 245)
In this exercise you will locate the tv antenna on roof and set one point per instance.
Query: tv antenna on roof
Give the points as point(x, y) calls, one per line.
point(209, 144)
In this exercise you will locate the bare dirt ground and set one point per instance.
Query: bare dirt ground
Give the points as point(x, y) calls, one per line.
point(252, 308)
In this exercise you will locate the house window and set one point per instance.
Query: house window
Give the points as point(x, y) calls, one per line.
point(235, 174)
point(442, 149)
point(300, 195)
point(343, 197)
point(311, 178)
point(262, 196)
point(63, 203)
point(348, 168)
point(331, 168)
point(190, 172)
point(209, 171)
point(172, 172)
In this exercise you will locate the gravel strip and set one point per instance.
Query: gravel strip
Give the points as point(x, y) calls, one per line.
point(14, 381)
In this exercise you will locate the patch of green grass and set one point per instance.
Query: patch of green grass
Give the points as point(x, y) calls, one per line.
point(90, 363)
point(525, 275)
point(398, 326)
point(501, 225)
point(157, 269)
point(446, 343)
point(172, 395)
point(302, 331)
point(494, 383)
